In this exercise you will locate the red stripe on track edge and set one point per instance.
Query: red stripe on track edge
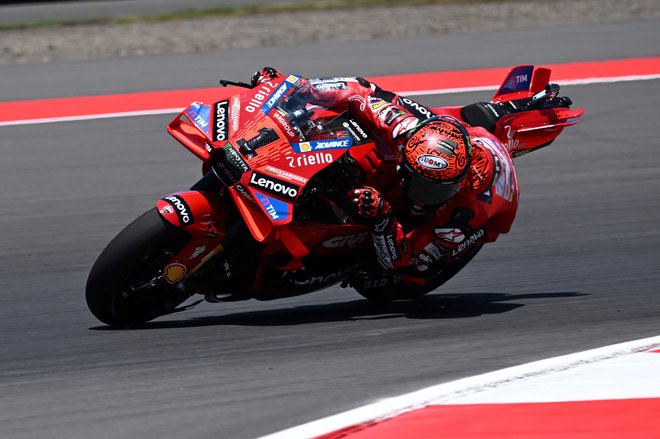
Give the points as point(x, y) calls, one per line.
point(605, 419)
point(175, 100)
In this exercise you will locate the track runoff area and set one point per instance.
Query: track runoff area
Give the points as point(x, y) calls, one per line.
point(606, 393)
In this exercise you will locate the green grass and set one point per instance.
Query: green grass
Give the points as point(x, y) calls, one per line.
point(237, 11)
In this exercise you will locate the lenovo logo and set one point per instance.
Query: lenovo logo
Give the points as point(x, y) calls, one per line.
point(220, 127)
point(274, 186)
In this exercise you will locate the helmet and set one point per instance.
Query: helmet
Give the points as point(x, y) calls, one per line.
point(435, 160)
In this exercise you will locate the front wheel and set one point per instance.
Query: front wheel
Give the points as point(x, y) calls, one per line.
point(124, 287)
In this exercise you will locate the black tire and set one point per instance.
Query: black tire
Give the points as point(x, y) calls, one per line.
point(133, 257)
point(391, 293)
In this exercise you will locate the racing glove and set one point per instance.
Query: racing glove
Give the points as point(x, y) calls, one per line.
point(368, 204)
point(263, 75)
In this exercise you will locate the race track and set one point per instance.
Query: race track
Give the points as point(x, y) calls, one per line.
point(580, 269)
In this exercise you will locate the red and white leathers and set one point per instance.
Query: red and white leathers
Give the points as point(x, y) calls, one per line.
point(419, 245)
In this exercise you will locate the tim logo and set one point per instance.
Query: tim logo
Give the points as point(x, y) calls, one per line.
point(518, 80)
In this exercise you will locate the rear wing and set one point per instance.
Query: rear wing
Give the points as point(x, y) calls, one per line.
point(522, 82)
point(526, 113)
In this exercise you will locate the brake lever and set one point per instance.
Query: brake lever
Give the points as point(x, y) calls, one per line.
point(226, 83)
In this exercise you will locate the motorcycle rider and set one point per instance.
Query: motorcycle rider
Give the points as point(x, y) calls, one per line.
point(457, 191)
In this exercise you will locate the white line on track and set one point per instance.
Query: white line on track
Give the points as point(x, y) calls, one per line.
point(402, 93)
point(567, 82)
point(444, 393)
point(92, 117)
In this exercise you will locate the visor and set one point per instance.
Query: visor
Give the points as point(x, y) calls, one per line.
point(423, 191)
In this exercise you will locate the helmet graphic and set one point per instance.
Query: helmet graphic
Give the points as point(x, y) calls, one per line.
point(435, 160)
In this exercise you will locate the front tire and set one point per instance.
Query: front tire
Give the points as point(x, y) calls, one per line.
point(120, 291)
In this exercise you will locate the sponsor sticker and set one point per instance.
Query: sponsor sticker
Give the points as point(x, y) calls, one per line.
point(259, 96)
point(276, 209)
point(431, 161)
point(518, 80)
point(284, 124)
point(285, 174)
point(274, 98)
point(198, 251)
point(320, 145)
point(199, 114)
point(376, 103)
point(452, 235)
point(241, 190)
point(404, 126)
point(329, 86)
point(235, 158)
point(315, 158)
point(235, 113)
point(416, 109)
point(355, 129)
point(173, 273)
point(274, 186)
point(469, 242)
point(220, 124)
point(434, 251)
point(181, 208)
point(346, 241)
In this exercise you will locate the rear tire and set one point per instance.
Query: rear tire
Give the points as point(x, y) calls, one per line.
point(135, 256)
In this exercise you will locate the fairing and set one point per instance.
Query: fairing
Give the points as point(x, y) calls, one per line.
point(265, 145)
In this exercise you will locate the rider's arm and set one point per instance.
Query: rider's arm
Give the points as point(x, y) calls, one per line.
point(389, 239)
point(388, 115)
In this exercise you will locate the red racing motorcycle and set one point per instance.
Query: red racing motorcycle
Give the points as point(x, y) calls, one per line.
point(268, 218)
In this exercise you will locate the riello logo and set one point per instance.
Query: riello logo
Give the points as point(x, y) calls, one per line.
point(274, 186)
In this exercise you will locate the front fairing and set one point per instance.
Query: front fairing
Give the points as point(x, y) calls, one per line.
point(274, 139)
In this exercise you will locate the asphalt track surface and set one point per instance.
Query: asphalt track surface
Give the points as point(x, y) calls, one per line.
point(580, 268)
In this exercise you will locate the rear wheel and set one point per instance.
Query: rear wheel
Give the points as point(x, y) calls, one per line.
point(124, 287)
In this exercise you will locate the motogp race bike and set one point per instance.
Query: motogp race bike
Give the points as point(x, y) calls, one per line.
point(268, 219)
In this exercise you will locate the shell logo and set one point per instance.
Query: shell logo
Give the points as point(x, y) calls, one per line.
point(173, 273)
point(305, 147)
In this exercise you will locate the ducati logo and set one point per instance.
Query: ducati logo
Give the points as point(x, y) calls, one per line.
point(182, 209)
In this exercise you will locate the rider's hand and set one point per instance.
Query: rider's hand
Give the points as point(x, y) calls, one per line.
point(263, 75)
point(368, 204)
